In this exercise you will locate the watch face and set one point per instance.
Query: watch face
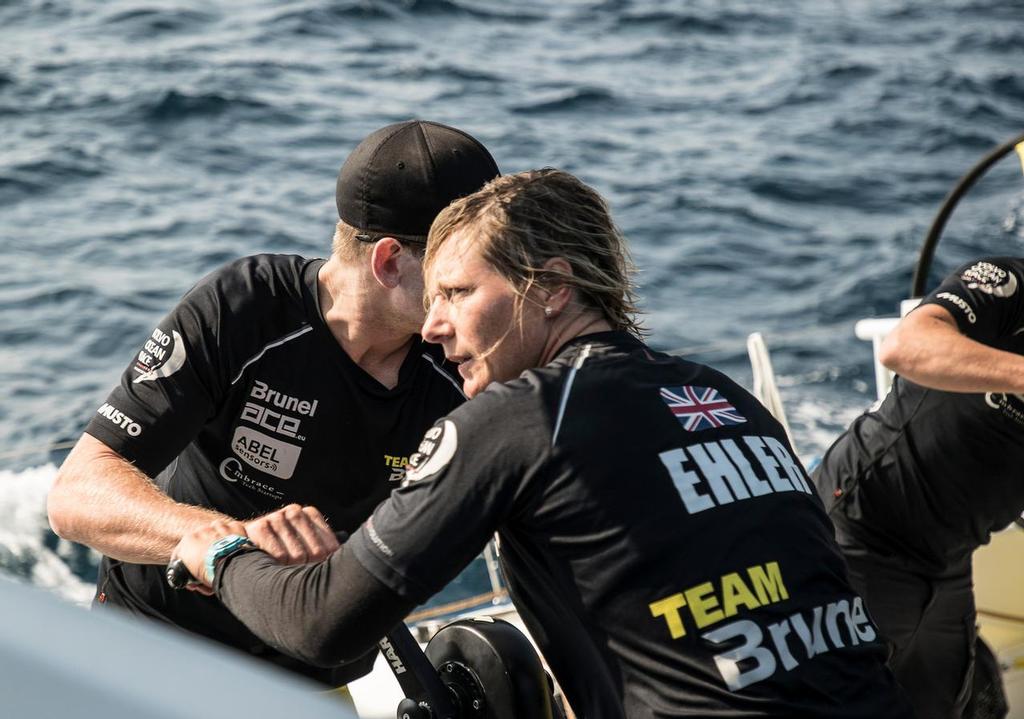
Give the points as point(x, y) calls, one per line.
point(227, 542)
point(178, 575)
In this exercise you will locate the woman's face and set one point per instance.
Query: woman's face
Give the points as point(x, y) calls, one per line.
point(472, 316)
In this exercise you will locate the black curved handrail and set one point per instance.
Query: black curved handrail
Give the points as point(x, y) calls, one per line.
point(924, 261)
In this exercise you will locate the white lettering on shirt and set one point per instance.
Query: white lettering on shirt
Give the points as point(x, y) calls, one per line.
point(710, 474)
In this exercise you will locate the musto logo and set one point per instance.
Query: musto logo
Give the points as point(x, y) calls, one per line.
point(267, 454)
point(959, 302)
point(119, 418)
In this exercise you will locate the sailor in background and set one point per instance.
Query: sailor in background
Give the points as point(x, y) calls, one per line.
point(917, 484)
point(276, 380)
point(661, 541)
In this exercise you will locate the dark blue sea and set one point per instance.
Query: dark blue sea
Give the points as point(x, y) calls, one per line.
point(775, 166)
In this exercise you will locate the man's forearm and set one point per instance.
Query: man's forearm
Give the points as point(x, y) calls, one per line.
point(987, 370)
point(928, 349)
point(324, 614)
point(101, 500)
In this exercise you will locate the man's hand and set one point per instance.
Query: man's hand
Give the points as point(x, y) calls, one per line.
point(193, 547)
point(293, 535)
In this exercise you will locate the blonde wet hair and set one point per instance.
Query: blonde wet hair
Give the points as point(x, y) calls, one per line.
point(524, 220)
point(348, 246)
point(345, 245)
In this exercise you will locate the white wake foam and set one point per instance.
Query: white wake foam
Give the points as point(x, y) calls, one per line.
point(26, 539)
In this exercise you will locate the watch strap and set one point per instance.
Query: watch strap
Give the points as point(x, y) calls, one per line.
point(222, 548)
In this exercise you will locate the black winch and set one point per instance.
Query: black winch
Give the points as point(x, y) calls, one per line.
point(480, 668)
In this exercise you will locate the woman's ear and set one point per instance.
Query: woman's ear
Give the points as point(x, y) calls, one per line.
point(557, 294)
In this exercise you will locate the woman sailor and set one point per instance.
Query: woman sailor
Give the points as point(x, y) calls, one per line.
point(661, 541)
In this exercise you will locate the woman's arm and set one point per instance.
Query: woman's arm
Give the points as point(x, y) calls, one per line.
point(324, 614)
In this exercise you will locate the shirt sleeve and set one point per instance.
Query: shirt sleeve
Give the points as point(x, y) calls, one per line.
point(324, 614)
point(984, 297)
point(170, 388)
point(473, 471)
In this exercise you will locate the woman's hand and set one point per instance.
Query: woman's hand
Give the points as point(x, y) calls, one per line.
point(293, 535)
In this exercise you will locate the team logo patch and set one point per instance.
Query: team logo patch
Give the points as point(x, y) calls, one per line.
point(161, 356)
point(395, 467)
point(700, 408)
point(990, 279)
point(434, 453)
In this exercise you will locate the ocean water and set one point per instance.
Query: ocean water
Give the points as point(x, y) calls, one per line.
point(775, 166)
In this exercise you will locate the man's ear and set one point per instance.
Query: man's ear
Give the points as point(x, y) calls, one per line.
point(558, 294)
point(384, 261)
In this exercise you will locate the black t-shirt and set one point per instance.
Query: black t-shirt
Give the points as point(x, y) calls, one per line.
point(661, 541)
point(242, 401)
point(928, 475)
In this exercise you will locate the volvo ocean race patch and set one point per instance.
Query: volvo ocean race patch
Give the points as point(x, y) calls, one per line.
point(700, 408)
point(434, 453)
point(990, 279)
point(161, 356)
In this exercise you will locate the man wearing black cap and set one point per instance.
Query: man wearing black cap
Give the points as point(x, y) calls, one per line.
point(276, 380)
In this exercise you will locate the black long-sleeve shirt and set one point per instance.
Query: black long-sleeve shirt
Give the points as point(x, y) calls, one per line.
point(661, 542)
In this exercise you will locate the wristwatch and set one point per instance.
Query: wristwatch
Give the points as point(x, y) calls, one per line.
point(222, 548)
point(178, 575)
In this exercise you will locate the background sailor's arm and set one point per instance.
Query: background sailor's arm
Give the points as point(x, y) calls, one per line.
point(927, 347)
point(102, 500)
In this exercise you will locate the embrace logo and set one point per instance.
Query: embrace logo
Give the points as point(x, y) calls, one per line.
point(1009, 405)
point(231, 470)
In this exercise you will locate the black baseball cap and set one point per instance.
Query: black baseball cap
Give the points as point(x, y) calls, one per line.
point(400, 177)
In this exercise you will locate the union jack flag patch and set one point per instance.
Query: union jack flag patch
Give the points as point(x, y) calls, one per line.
point(699, 408)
